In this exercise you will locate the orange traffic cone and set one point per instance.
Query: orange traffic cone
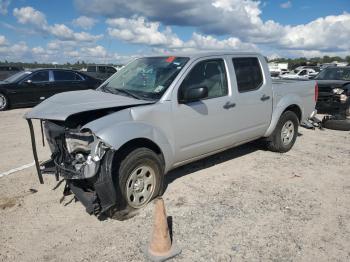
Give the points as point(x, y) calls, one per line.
point(160, 247)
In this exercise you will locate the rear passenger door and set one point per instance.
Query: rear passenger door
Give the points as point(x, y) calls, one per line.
point(254, 96)
point(65, 81)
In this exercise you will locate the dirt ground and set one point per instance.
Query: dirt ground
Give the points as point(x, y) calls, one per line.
point(244, 204)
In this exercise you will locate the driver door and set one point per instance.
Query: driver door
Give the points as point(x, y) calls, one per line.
point(203, 126)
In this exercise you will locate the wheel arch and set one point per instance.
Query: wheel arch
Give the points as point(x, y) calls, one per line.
point(120, 135)
point(289, 103)
point(141, 142)
point(296, 109)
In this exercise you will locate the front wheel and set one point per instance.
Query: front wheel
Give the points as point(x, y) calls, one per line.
point(4, 103)
point(139, 179)
point(285, 133)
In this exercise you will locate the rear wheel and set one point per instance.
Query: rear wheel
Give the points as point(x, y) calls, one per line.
point(4, 103)
point(139, 180)
point(285, 133)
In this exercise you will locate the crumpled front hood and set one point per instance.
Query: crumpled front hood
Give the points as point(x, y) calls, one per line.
point(61, 106)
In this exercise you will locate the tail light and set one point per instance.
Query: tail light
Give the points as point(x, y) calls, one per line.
point(316, 92)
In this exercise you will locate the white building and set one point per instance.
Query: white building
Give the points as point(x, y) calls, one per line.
point(277, 67)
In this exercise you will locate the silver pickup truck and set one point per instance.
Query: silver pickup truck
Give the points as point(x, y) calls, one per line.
point(114, 145)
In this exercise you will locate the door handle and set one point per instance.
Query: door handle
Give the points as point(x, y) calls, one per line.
point(264, 98)
point(229, 105)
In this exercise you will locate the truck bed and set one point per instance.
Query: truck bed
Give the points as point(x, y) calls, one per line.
point(295, 90)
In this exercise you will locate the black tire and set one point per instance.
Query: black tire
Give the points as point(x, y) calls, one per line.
point(337, 124)
point(126, 166)
point(275, 142)
point(4, 104)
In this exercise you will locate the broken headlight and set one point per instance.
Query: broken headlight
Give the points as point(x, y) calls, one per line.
point(343, 98)
point(79, 142)
point(338, 91)
point(87, 150)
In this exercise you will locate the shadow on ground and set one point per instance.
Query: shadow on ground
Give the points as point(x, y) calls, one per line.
point(211, 161)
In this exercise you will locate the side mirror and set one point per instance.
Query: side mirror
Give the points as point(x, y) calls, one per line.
point(27, 82)
point(194, 93)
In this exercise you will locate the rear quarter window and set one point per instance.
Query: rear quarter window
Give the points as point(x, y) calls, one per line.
point(248, 73)
point(91, 69)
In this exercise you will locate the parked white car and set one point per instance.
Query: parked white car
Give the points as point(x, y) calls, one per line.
point(306, 73)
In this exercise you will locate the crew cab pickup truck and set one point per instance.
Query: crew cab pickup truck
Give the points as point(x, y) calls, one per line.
point(114, 145)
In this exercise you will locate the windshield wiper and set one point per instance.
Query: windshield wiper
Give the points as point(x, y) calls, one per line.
point(127, 92)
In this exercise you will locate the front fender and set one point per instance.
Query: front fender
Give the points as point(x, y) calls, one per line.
point(286, 101)
point(119, 128)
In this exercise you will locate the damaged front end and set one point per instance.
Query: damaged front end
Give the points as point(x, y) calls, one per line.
point(76, 155)
point(83, 160)
point(79, 156)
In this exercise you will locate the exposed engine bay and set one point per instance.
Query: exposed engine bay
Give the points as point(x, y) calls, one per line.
point(76, 155)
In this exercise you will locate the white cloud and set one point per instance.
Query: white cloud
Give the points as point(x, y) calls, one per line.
point(14, 52)
point(3, 40)
point(233, 18)
point(201, 42)
point(330, 33)
point(4, 4)
point(217, 17)
point(137, 30)
point(29, 15)
point(95, 52)
point(286, 5)
point(85, 22)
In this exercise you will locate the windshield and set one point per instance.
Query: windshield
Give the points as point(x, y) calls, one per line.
point(334, 74)
point(17, 76)
point(145, 78)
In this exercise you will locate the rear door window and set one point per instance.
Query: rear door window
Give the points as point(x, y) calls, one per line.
point(248, 73)
point(64, 76)
point(303, 72)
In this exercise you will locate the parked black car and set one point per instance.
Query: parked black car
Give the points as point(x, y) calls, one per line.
point(28, 88)
point(100, 71)
point(7, 71)
point(334, 96)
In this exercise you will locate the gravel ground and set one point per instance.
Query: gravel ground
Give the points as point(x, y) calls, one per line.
point(244, 204)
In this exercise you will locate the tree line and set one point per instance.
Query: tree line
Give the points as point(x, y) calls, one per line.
point(78, 65)
point(292, 62)
point(303, 61)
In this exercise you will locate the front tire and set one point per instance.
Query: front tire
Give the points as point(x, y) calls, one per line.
point(139, 180)
point(4, 102)
point(285, 133)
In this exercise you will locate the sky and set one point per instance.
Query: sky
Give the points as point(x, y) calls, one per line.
point(114, 31)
